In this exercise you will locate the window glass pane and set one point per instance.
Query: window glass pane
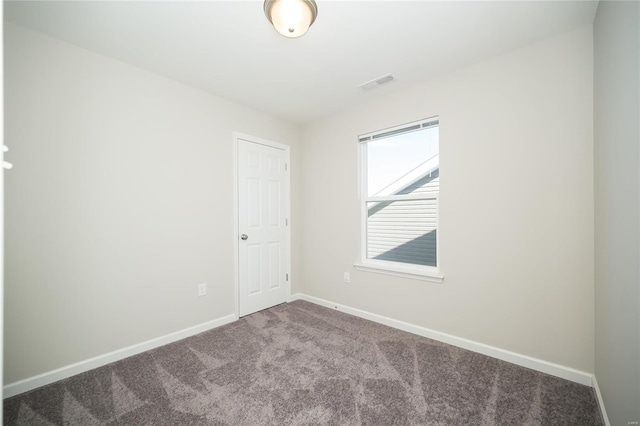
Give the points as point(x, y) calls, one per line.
point(395, 163)
point(402, 231)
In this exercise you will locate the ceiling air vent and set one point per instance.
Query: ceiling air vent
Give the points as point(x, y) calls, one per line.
point(387, 78)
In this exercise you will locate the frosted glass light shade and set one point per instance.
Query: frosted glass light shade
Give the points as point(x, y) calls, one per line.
point(291, 18)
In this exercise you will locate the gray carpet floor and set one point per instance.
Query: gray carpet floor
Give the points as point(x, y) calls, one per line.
point(302, 364)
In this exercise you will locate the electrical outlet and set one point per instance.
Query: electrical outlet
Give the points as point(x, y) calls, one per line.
point(347, 277)
point(202, 289)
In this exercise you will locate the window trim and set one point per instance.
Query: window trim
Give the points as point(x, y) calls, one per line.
point(387, 267)
point(404, 270)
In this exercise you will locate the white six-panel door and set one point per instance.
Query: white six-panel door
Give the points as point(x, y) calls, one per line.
point(262, 226)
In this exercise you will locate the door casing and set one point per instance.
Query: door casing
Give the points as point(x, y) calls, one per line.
point(236, 210)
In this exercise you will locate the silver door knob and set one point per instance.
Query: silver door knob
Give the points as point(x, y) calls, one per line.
point(244, 236)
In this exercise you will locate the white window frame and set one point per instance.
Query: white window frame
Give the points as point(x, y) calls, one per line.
point(407, 270)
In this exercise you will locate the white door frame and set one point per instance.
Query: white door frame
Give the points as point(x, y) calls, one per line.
point(236, 210)
point(1, 210)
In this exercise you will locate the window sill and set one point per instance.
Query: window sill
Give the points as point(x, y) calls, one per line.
point(400, 271)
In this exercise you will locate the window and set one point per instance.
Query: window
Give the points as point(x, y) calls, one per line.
point(399, 188)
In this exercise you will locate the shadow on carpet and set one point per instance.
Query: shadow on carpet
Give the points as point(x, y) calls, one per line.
point(302, 364)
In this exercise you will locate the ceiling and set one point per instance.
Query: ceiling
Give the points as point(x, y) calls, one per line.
point(229, 48)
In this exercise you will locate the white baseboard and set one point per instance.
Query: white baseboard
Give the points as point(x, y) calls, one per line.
point(557, 370)
point(603, 412)
point(34, 382)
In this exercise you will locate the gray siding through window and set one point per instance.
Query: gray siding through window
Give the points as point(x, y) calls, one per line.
point(405, 231)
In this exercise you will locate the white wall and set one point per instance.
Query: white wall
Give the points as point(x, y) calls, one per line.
point(119, 204)
point(516, 234)
point(1, 207)
point(617, 213)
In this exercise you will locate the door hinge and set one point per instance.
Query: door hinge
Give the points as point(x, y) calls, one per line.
point(286, 166)
point(287, 276)
point(286, 222)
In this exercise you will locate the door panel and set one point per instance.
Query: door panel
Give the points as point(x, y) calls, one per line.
point(274, 265)
point(261, 217)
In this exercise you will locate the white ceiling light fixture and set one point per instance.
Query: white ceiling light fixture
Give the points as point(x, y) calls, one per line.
point(291, 18)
